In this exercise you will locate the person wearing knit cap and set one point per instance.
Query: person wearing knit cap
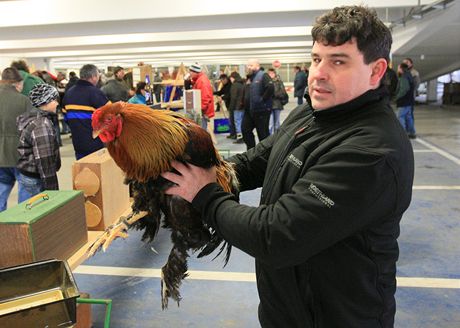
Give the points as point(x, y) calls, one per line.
point(39, 157)
point(201, 82)
point(12, 104)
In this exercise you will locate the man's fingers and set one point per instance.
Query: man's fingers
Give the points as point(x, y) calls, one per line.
point(180, 167)
point(173, 177)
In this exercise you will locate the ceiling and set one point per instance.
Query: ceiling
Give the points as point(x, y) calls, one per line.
point(67, 34)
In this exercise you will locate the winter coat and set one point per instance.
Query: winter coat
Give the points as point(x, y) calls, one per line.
point(116, 91)
point(12, 105)
point(405, 90)
point(260, 92)
point(300, 83)
point(38, 148)
point(137, 99)
point(236, 95)
point(207, 99)
point(279, 93)
point(79, 103)
point(335, 184)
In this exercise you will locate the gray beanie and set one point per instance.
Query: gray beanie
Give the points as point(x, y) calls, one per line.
point(42, 94)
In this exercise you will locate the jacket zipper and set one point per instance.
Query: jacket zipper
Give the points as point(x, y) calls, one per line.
point(282, 159)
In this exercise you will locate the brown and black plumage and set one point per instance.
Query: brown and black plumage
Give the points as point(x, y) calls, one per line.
point(143, 142)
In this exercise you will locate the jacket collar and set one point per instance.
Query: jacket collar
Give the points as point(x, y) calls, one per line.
point(351, 107)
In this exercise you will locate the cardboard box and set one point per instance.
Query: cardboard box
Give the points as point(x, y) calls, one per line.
point(102, 183)
point(53, 226)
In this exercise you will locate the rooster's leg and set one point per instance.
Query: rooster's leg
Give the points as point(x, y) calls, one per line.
point(173, 272)
point(115, 230)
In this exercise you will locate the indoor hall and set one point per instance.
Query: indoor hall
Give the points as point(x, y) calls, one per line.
point(215, 296)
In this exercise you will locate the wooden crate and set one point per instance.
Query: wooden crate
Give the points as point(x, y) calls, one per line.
point(50, 228)
point(102, 183)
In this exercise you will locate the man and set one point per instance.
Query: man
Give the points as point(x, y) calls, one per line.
point(260, 104)
point(335, 183)
point(29, 80)
point(300, 83)
point(116, 89)
point(405, 99)
point(201, 82)
point(12, 105)
point(416, 77)
point(73, 78)
point(79, 103)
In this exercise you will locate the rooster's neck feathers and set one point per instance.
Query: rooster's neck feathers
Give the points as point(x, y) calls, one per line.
point(149, 141)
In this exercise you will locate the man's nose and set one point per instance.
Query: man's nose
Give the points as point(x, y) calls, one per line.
point(320, 71)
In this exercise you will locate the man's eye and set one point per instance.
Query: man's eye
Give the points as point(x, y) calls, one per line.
point(338, 62)
point(316, 60)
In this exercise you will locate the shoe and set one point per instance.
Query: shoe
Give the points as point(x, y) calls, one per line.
point(238, 141)
point(231, 136)
point(412, 136)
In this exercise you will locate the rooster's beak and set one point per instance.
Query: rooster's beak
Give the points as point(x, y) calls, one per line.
point(96, 133)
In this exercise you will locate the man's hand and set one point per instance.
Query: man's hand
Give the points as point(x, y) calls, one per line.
point(190, 180)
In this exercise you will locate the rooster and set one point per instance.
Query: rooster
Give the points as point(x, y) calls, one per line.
point(143, 142)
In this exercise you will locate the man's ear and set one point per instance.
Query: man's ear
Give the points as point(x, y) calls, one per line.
point(379, 68)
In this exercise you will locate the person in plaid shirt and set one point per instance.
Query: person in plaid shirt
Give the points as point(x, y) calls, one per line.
point(39, 157)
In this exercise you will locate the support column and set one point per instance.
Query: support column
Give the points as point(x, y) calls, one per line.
point(432, 91)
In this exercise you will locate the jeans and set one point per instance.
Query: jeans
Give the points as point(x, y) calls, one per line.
point(300, 100)
point(204, 122)
point(8, 176)
point(406, 119)
point(238, 120)
point(275, 120)
point(31, 186)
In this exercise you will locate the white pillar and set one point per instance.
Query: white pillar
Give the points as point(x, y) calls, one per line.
point(432, 91)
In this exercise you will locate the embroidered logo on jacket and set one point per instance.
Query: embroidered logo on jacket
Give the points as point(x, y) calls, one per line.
point(294, 160)
point(320, 195)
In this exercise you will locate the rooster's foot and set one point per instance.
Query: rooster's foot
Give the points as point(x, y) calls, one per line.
point(117, 229)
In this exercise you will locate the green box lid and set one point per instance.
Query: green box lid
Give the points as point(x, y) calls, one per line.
point(22, 214)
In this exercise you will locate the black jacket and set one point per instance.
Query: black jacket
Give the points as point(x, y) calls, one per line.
point(335, 185)
point(224, 92)
point(237, 95)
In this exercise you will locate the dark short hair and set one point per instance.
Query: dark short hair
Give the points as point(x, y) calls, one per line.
point(20, 65)
point(88, 71)
point(235, 75)
point(297, 68)
point(272, 70)
point(72, 74)
point(341, 24)
point(117, 69)
point(223, 76)
point(140, 86)
point(409, 60)
point(11, 74)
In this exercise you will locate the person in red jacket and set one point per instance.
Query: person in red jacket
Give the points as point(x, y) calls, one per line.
point(201, 82)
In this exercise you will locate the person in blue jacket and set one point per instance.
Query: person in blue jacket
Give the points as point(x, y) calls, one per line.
point(139, 97)
point(336, 179)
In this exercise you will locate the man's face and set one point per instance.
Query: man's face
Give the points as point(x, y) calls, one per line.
point(271, 74)
point(338, 74)
point(120, 74)
point(252, 66)
point(193, 75)
point(407, 62)
point(19, 86)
